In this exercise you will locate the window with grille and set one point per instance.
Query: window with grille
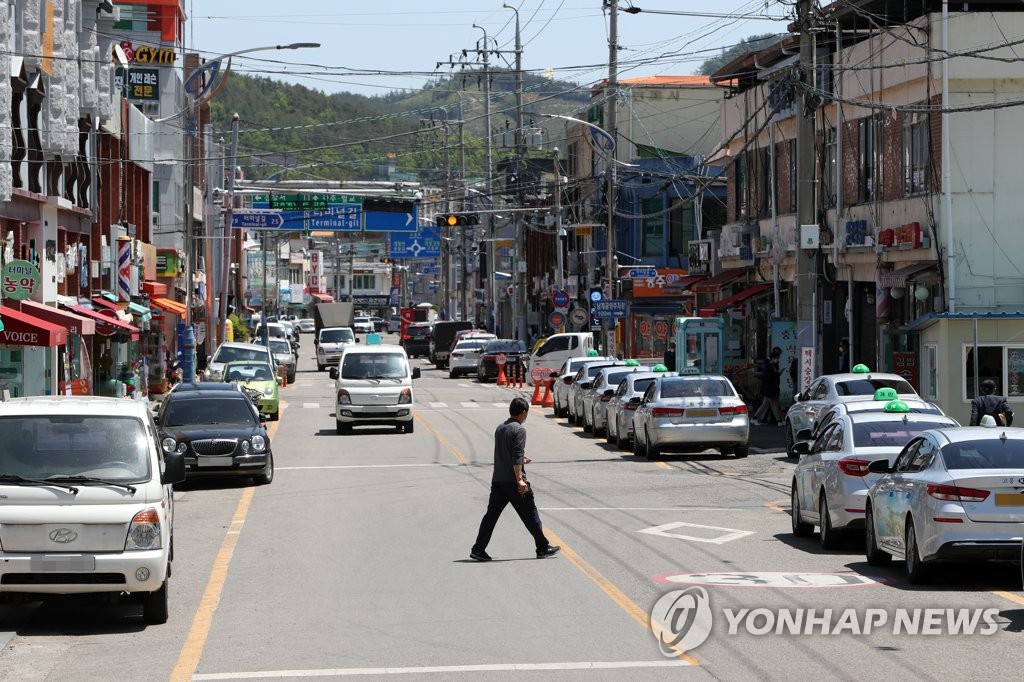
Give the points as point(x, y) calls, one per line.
point(915, 153)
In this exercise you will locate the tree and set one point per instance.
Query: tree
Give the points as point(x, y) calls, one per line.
point(751, 44)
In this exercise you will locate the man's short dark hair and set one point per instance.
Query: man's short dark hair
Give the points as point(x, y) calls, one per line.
point(988, 386)
point(518, 406)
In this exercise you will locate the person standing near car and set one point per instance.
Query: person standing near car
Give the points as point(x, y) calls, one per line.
point(990, 403)
point(770, 386)
point(510, 486)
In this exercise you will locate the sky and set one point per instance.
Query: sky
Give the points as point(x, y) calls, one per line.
point(373, 48)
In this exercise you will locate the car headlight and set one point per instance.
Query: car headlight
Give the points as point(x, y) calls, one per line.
point(168, 444)
point(344, 398)
point(406, 397)
point(144, 531)
point(269, 390)
point(259, 443)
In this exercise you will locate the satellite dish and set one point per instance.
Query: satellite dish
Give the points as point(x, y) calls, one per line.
point(122, 58)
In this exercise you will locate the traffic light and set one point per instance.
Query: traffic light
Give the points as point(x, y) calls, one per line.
point(457, 219)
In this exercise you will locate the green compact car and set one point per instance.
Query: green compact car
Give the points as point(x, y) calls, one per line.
point(258, 376)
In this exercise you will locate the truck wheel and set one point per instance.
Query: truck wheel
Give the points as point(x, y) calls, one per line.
point(154, 606)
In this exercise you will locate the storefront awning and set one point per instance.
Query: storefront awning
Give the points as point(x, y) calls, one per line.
point(714, 284)
point(75, 324)
point(154, 288)
point(322, 298)
point(729, 302)
point(169, 306)
point(898, 278)
point(105, 324)
point(103, 303)
point(22, 329)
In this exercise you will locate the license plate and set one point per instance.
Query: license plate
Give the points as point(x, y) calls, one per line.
point(375, 408)
point(1010, 499)
point(62, 563)
point(702, 412)
point(215, 461)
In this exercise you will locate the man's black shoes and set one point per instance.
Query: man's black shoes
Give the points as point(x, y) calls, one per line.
point(551, 550)
point(480, 555)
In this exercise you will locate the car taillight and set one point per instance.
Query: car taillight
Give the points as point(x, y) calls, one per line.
point(456, 355)
point(605, 398)
point(667, 412)
point(630, 406)
point(853, 467)
point(732, 409)
point(952, 493)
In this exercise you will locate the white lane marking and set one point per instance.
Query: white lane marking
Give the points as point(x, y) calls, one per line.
point(370, 466)
point(470, 404)
point(672, 509)
point(438, 404)
point(493, 667)
point(500, 404)
point(729, 535)
point(311, 406)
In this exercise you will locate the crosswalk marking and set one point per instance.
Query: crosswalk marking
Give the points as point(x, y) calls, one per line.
point(311, 406)
point(470, 404)
point(438, 404)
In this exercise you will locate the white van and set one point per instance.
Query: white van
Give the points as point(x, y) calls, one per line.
point(373, 386)
point(87, 501)
point(330, 342)
point(558, 348)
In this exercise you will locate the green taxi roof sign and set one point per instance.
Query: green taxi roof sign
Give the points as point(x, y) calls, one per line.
point(591, 353)
point(659, 368)
point(860, 368)
point(896, 406)
point(886, 393)
point(632, 363)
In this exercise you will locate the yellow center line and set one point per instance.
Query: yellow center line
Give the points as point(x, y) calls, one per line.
point(776, 505)
point(444, 441)
point(663, 465)
point(1015, 598)
point(617, 595)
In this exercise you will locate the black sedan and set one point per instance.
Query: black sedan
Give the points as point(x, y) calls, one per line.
point(416, 339)
point(515, 356)
point(219, 432)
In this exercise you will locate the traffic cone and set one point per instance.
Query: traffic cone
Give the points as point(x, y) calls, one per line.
point(502, 379)
point(536, 399)
point(549, 394)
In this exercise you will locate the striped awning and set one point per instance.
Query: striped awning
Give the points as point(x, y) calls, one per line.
point(898, 278)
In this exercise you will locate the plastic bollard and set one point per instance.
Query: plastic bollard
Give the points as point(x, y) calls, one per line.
point(536, 399)
point(502, 380)
point(549, 394)
point(282, 372)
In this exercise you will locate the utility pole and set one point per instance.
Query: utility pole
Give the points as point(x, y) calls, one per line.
point(464, 282)
point(222, 306)
point(519, 296)
point(560, 274)
point(612, 95)
point(806, 280)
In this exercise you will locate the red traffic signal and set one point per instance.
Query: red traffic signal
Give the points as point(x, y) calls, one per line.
point(457, 219)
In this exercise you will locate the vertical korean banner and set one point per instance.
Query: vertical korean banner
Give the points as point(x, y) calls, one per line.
point(806, 370)
point(784, 337)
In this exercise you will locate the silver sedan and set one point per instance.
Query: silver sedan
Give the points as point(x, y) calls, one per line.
point(595, 409)
point(623, 404)
point(691, 413)
point(564, 380)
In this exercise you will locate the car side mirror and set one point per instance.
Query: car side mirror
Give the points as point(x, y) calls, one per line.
point(635, 400)
point(316, 342)
point(609, 392)
point(801, 449)
point(415, 372)
point(804, 434)
point(357, 339)
point(333, 372)
point(568, 381)
point(174, 468)
point(880, 466)
point(553, 375)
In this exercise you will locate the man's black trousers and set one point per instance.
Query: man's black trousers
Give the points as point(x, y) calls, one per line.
point(503, 493)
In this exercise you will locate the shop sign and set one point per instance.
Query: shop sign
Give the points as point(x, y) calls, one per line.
point(167, 263)
point(138, 84)
point(665, 282)
point(909, 235)
point(699, 251)
point(20, 279)
point(904, 363)
point(145, 54)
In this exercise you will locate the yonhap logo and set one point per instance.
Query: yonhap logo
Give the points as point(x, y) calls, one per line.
point(682, 620)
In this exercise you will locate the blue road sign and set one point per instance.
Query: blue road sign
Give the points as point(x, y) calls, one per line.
point(608, 308)
point(256, 220)
point(431, 269)
point(387, 221)
point(335, 218)
point(643, 273)
point(423, 243)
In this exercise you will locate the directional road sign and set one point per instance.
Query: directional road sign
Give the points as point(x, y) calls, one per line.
point(642, 273)
point(423, 243)
point(256, 219)
point(392, 221)
point(608, 308)
point(324, 212)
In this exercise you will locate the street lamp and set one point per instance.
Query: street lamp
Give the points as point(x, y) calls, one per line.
point(198, 92)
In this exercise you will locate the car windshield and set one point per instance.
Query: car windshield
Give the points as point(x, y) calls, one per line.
point(470, 345)
point(337, 336)
point(278, 346)
point(505, 346)
point(248, 371)
point(232, 353)
point(208, 409)
point(889, 434)
point(869, 386)
point(990, 453)
point(107, 447)
point(694, 388)
point(374, 366)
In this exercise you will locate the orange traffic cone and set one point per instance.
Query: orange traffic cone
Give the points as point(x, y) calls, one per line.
point(502, 379)
point(549, 394)
point(536, 399)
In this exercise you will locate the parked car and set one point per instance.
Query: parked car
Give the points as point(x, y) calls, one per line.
point(515, 354)
point(89, 471)
point(831, 480)
point(623, 404)
point(307, 325)
point(362, 324)
point(258, 376)
point(284, 354)
point(465, 357)
point(373, 386)
point(595, 400)
point(829, 389)
point(564, 379)
point(581, 382)
point(952, 494)
point(330, 342)
point(230, 351)
point(691, 413)
point(218, 431)
point(416, 339)
point(395, 324)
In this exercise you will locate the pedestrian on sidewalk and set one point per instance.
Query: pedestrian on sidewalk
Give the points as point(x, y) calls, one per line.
point(990, 403)
point(670, 356)
point(770, 385)
point(510, 486)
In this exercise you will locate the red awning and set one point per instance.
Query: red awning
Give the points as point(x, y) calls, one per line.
point(322, 298)
point(106, 325)
point(714, 284)
point(109, 305)
point(76, 324)
point(154, 288)
point(22, 329)
point(734, 299)
point(169, 306)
